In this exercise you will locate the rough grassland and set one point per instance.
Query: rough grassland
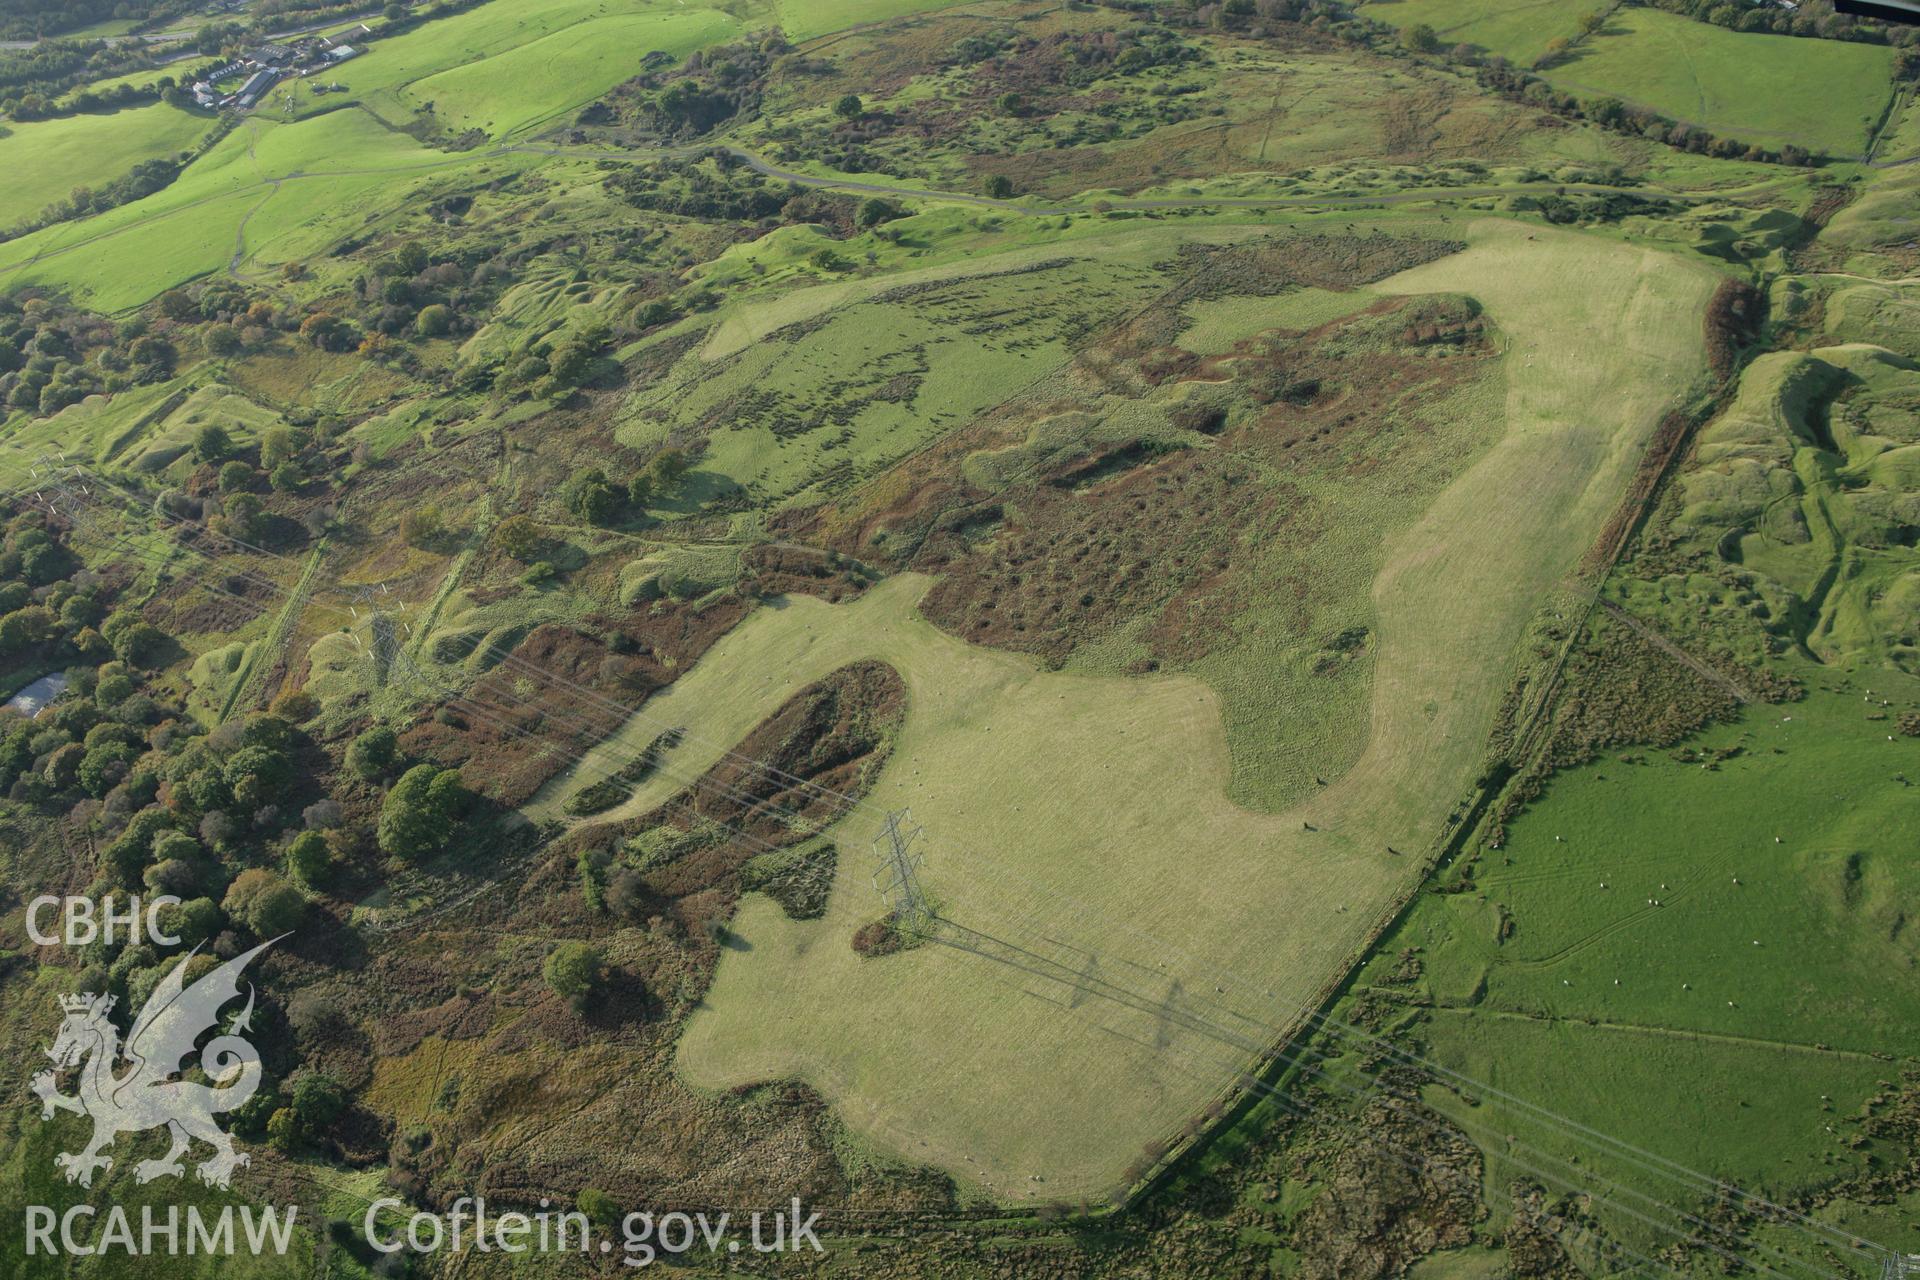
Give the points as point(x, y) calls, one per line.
point(46, 160)
point(1111, 790)
point(805, 19)
point(882, 374)
point(1825, 95)
point(1218, 323)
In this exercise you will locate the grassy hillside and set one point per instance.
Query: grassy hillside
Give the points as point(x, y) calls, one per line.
point(307, 182)
point(1104, 832)
point(1164, 448)
point(47, 159)
point(556, 74)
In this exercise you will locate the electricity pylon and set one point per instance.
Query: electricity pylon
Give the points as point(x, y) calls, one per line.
point(897, 877)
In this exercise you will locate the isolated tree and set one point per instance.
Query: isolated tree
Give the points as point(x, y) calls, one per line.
point(235, 476)
point(876, 211)
point(25, 628)
point(601, 1209)
point(277, 445)
point(591, 497)
point(264, 903)
point(573, 970)
point(410, 258)
point(667, 467)
point(657, 312)
point(850, 107)
point(222, 340)
point(373, 753)
point(245, 516)
point(1421, 38)
point(283, 1130)
point(520, 538)
point(212, 443)
point(316, 1100)
point(417, 817)
point(309, 860)
point(999, 186)
point(421, 526)
point(571, 361)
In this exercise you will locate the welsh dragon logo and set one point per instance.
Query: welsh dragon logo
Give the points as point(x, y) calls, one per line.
point(144, 1096)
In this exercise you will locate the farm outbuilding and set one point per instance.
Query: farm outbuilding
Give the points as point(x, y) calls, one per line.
point(257, 84)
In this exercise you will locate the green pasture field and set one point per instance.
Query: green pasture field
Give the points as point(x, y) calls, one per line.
point(139, 79)
point(561, 72)
point(1136, 769)
point(511, 64)
point(267, 186)
point(1775, 968)
point(1517, 30)
point(1880, 313)
point(1824, 95)
point(1055, 779)
point(46, 159)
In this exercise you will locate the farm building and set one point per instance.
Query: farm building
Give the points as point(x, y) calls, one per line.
point(257, 84)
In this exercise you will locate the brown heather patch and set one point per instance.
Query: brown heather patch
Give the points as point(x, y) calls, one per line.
point(1177, 539)
point(782, 568)
point(534, 1098)
point(526, 725)
point(826, 742)
point(184, 608)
